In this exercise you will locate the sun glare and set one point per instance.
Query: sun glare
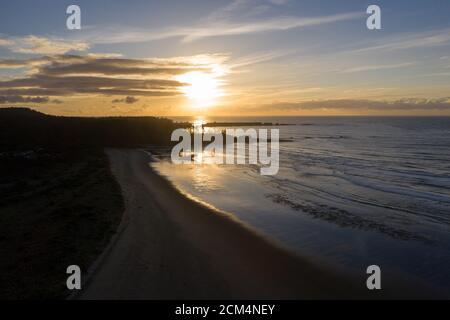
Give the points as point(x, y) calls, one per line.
point(201, 87)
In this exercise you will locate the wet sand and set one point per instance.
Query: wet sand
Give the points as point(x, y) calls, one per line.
point(171, 247)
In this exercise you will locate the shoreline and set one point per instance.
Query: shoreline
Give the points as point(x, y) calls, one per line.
point(173, 247)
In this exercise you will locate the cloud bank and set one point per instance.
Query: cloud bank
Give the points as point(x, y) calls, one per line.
point(69, 75)
point(349, 104)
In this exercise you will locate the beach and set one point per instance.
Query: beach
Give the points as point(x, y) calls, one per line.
point(171, 247)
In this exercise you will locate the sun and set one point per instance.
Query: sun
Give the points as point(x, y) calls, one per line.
point(201, 87)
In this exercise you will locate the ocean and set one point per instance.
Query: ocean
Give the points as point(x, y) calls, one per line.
point(350, 192)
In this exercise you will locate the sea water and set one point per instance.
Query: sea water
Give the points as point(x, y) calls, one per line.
point(352, 191)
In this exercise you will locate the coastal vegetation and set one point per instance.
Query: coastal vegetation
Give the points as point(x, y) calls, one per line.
point(59, 202)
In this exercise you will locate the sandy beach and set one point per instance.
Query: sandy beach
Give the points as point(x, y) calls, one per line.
point(171, 247)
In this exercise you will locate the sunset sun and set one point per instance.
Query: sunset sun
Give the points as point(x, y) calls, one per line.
point(202, 88)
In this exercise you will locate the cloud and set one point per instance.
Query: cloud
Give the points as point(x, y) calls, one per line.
point(241, 9)
point(14, 64)
point(113, 64)
point(408, 41)
point(90, 92)
point(219, 23)
point(42, 45)
point(279, 2)
point(128, 99)
point(258, 57)
point(348, 104)
point(81, 82)
point(273, 24)
point(6, 42)
point(68, 75)
point(114, 67)
point(377, 67)
point(55, 59)
point(21, 99)
point(230, 9)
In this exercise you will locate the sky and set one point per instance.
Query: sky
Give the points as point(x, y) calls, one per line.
point(229, 58)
